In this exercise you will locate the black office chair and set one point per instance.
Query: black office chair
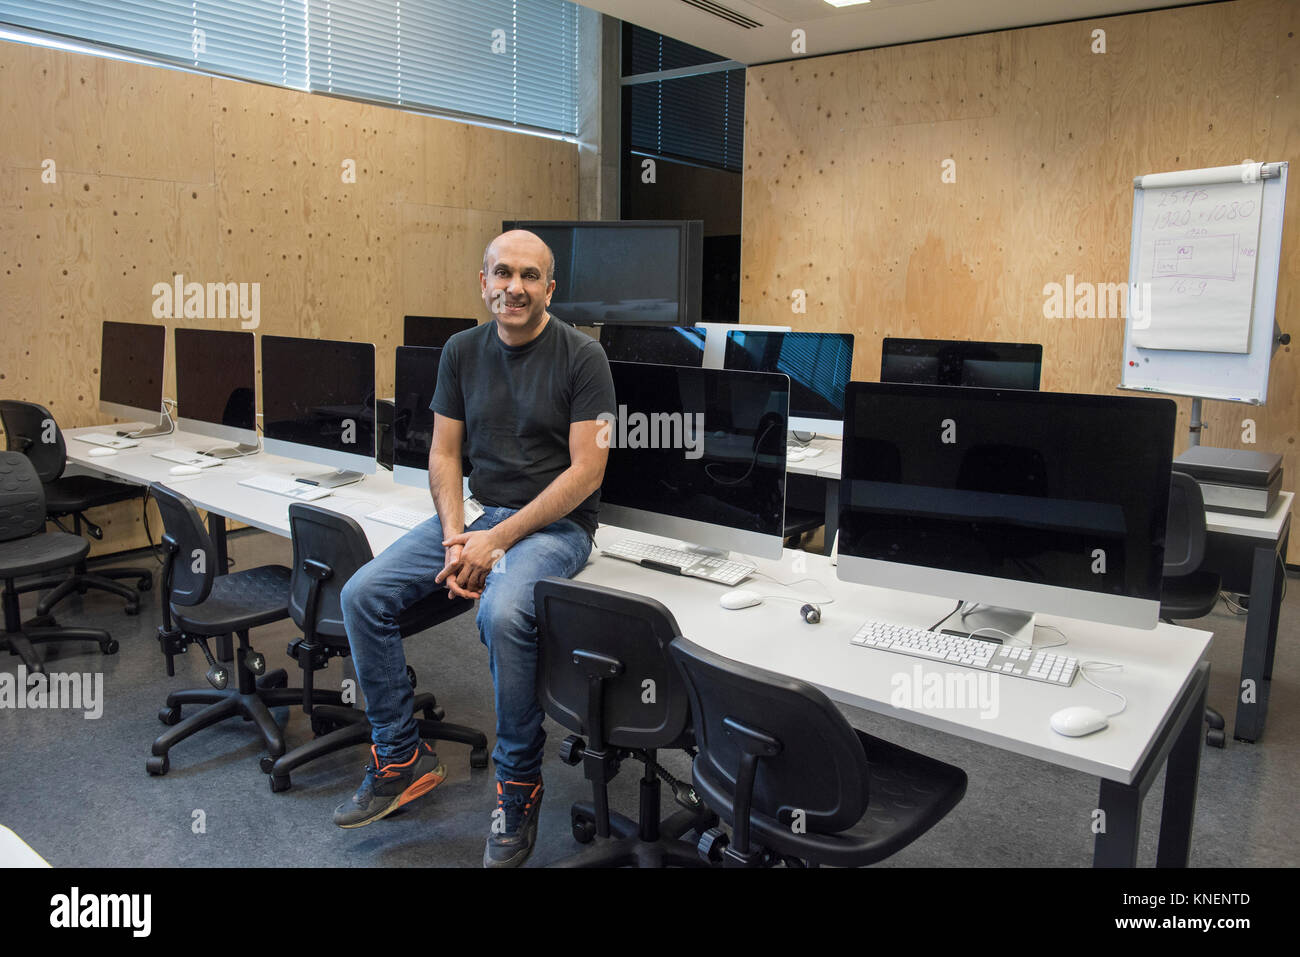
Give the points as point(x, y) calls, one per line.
point(603, 670)
point(30, 429)
point(26, 549)
point(328, 548)
point(1188, 591)
point(782, 767)
point(198, 604)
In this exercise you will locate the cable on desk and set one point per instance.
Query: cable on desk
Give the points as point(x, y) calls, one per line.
point(947, 616)
point(1104, 666)
point(169, 406)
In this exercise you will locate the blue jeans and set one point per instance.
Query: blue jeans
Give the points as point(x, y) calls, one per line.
point(402, 575)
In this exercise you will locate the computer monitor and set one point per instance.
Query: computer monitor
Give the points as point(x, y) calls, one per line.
point(432, 331)
point(131, 361)
point(993, 365)
point(415, 382)
point(643, 272)
point(715, 342)
point(698, 455)
point(662, 345)
point(216, 387)
point(318, 404)
point(1034, 501)
point(819, 365)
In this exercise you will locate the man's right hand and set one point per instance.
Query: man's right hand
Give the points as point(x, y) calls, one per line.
point(454, 590)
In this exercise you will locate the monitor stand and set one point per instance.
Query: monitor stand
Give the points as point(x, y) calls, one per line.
point(233, 451)
point(1000, 622)
point(331, 479)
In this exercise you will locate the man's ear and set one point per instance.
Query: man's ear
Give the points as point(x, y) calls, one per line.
point(550, 291)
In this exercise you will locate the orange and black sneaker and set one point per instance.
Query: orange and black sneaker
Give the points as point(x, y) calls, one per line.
point(388, 786)
point(514, 823)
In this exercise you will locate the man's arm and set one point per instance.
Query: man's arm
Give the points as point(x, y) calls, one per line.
point(446, 485)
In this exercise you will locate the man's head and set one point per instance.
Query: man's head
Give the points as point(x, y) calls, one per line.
point(518, 279)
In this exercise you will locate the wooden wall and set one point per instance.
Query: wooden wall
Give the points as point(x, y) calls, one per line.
point(161, 172)
point(843, 194)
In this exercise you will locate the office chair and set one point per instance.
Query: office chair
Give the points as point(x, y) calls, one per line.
point(782, 767)
point(603, 671)
point(1188, 591)
point(27, 549)
point(328, 548)
point(30, 429)
point(198, 604)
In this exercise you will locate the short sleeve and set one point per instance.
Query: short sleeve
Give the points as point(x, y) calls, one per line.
point(593, 386)
point(448, 400)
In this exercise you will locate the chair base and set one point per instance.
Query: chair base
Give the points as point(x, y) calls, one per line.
point(22, 637)
point(353, 729)
point(81, 582)
point(627, 848)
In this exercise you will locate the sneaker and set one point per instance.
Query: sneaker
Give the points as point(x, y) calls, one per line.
point(514, 823)
point(387, 787)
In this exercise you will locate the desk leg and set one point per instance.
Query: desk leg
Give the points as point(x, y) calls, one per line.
point(1117, 846)
point(832, 514)
point(1261, 638)
point(217, 529)
point(1181, 775)
point(1278, 586)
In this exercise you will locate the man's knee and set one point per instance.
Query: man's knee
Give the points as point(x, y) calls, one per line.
point(362, 596)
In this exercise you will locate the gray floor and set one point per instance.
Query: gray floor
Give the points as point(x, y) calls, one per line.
point(76, 790)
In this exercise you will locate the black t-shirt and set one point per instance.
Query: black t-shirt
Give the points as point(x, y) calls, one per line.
point(517, 403)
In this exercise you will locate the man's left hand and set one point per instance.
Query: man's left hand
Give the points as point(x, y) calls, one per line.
point(479, 552)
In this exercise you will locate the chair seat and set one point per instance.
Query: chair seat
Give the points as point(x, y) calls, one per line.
point(41, 553)
point(76, 493)
point(256, 596)
point(1189, 596)
point(433, 609)
point(908, 794)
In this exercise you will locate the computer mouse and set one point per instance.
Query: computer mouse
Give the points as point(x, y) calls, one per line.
point(739, 598)
point(96, 452)
point(184, 470)
point(1077, 721)
point(797, 456)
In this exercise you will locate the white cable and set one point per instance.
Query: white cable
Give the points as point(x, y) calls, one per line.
point(1104, 666)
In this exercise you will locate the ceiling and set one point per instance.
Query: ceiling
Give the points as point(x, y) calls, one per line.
point(759, 31)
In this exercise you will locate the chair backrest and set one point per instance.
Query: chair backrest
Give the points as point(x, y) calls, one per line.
point(644, 706)
point(818, 766)
point(30, 429)
point(192, 558)
point(328, 539)
point(22, 499)
point(1185, 530)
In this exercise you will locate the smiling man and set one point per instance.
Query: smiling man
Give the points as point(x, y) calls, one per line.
point(519, 396)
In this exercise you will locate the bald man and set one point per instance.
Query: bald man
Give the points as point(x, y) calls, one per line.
point(519, 396)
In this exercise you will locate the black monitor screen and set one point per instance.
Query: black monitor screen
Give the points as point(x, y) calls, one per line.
point(1042, 487)
point(700, 444)
point(215, 379)
point(993, 365)
point(416, 380)
point(432, 330)
point(131, 365)
point(663, 345)
point(819, 365)
point(319, 392)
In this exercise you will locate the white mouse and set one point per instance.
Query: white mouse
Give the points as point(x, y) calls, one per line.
point(100, 450)
point(1077, 721)
point(185, 470)
point(739, 598)
point(796, 456)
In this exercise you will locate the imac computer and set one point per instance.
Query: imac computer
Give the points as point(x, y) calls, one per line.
point(318, 405)
point(715, 343)
point(992, 365)
point(216, 388)
point(415, 382)
point(432, 331)
point(819, 365)
point(661, 345)
point(131, 372)
point(1021, 501)
point(698, 455)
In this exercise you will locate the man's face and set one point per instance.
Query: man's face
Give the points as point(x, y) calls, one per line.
point(515, 287)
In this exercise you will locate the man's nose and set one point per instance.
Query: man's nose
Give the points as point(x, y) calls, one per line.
point(515, 286)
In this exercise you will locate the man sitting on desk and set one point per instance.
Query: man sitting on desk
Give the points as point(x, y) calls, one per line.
point(520, 395)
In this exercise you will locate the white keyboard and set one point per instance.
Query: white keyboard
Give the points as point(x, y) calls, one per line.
point(107, 440)
point(679, 561)
point(969, 652)
point(282, 485)
point(406, 518)
point(187, 457)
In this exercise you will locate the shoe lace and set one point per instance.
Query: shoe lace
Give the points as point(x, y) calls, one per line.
point(513, 799)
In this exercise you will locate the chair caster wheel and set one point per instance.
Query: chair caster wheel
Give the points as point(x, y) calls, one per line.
point(411, 676)
point(434, 714)
point(280, 782)
point(1214, 738)
point(109, 647)
point(157, 765)
point(144, 584)
point(267, 763)
point(478, 758)
point(169, 716)
point(584, 828)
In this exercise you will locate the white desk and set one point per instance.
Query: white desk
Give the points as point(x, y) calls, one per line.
point(1165, 673)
